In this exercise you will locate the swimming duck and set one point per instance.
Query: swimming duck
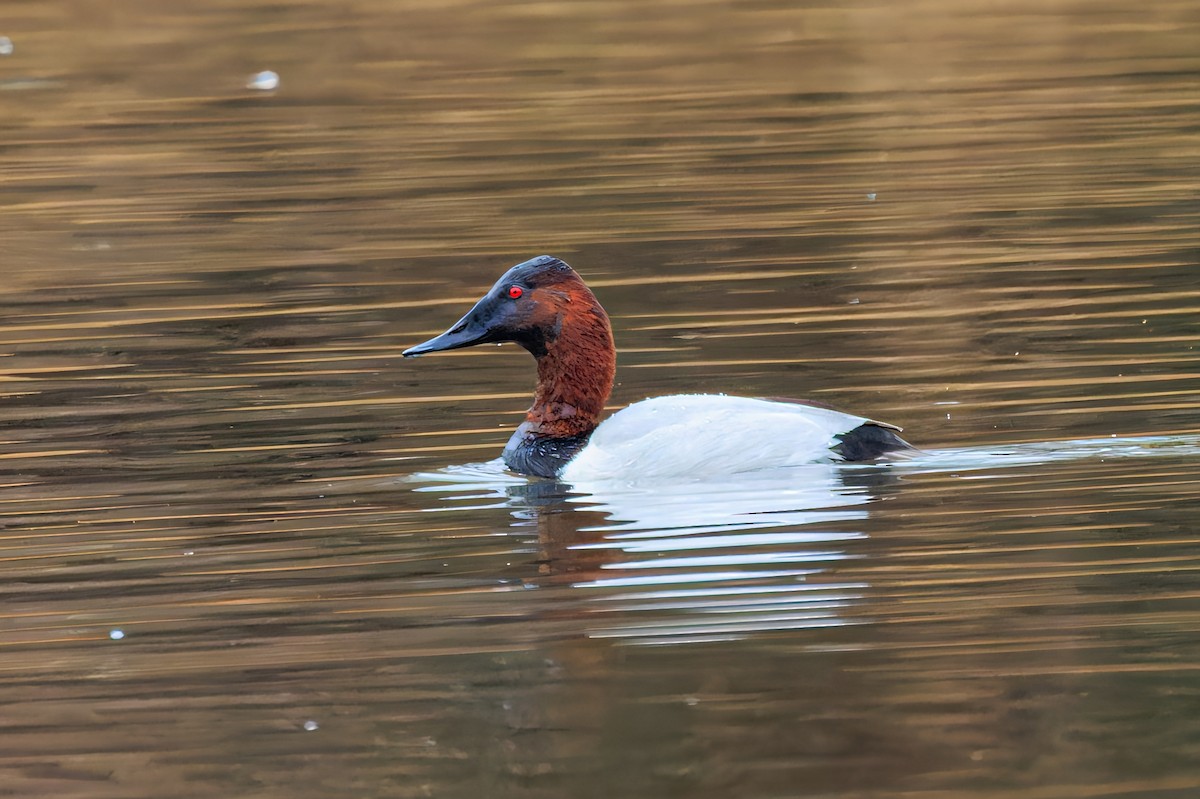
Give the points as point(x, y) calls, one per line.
point(544, 306)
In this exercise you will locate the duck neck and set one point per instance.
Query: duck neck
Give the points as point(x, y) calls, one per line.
point(575, 377)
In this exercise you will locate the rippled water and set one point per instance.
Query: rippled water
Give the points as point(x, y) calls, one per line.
point(248, 551)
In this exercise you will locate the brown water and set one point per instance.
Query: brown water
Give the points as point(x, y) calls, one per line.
point(977, 220)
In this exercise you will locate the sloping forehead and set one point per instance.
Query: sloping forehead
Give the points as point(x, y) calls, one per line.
point(545, 270)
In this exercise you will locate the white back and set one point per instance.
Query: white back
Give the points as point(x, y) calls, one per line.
point(701, 435)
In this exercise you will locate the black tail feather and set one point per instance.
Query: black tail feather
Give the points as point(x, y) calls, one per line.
point(869, 441)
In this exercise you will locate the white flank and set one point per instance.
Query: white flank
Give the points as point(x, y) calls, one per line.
point(702, 435)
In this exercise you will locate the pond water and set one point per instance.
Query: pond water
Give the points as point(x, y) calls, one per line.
point(246, 550)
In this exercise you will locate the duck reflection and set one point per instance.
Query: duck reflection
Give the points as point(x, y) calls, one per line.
point(694, 561)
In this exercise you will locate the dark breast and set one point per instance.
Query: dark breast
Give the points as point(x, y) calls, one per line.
point(541, 456)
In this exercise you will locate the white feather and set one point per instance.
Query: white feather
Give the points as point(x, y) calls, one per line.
point(701, 435)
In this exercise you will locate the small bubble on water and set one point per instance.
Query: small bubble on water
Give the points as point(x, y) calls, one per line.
point(6, 45)
point(311, 725)
point(116, 635)
point(264, 81)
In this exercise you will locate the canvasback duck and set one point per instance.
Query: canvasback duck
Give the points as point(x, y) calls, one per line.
point(544, 306)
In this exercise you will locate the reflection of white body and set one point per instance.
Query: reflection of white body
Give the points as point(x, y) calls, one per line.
point(725, 557)
point(703, 435)
point(700, 560)
point(803, 495)
point(810, 494)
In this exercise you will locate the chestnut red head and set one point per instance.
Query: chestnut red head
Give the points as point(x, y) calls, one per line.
point(526, 305)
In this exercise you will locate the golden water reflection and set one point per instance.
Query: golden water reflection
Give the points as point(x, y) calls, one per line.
point(976, 220)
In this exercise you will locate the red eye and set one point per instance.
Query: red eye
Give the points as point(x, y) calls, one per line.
point(515, 291)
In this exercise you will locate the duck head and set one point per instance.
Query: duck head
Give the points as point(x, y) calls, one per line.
point(530, 305)
point(544, 306)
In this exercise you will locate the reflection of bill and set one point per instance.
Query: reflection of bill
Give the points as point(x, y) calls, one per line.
point(694, 561)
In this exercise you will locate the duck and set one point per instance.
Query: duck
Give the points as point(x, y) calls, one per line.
point(544, 306)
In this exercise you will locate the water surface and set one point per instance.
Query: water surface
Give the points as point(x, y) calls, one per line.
point(241, 554)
